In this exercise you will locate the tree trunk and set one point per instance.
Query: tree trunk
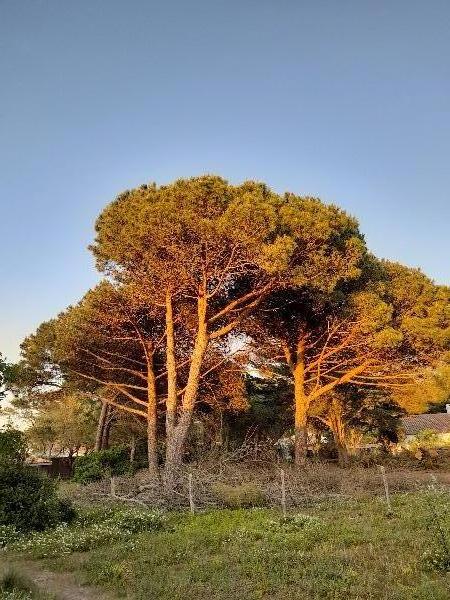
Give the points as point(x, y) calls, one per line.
point(101, 426)
point(343, 456)
point(132, 448)
point(171, 403)
point(175, 445)
point(174, 449)
point(106, 431)
point(152, 438)
point(301, 409)
point(339, 442)
point(337, 426)
point(301, 439)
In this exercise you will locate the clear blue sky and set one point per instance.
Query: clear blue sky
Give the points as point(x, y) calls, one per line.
point(347, 100)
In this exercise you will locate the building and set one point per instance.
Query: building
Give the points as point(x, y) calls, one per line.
point(416, 427)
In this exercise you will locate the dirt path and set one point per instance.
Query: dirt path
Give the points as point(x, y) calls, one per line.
point(62, 586)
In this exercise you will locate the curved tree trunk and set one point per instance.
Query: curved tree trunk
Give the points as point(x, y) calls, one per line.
point(175, 444)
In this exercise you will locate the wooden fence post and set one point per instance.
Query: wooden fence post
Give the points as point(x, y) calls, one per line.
point(191, 494)
point(283, 493)
point(386, 487)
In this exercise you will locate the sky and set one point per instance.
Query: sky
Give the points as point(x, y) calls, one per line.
point(348, 101)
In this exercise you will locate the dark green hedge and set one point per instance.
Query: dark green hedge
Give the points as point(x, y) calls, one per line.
point(104, 463)
point(28, 499)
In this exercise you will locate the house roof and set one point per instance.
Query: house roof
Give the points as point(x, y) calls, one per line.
point(439, 422)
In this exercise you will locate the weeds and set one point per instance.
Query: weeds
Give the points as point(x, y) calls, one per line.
point(437, 509)
point(91, 530)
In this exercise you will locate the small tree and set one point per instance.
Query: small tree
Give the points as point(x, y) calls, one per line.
point(13, 446)
point(349, 412)
point(28, 500)
point(66, 424)
point(3, 367)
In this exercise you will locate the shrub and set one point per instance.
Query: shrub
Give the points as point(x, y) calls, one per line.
point(67, 512)
point(28, 499)
point(244, 495)
point(97, 465)
point(13, 447)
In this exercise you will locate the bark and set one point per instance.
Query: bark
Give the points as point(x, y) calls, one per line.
point(101, 426)
point(106, 431)
point(301, 438)
point(132, 448)
point(175, 444)
point(336, 424)
point(343, 455)
point(339, 441)
point(152, 439)
point(171, 404)
point(301, 408)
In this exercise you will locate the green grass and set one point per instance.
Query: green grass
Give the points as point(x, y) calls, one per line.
point(350, 550)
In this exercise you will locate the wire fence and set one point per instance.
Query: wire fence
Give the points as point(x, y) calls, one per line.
point(244, 484)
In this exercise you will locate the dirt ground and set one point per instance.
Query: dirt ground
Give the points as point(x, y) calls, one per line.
point(61, 586)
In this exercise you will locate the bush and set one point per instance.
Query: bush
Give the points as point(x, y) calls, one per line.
point(97, 465)
point(245, 495)
point(67, 512)
point(13, 447)
point(28, 499)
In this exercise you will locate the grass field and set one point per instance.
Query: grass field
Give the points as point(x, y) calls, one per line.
point(349, 550)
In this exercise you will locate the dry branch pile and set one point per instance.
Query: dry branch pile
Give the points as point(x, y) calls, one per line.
point(233, 484)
